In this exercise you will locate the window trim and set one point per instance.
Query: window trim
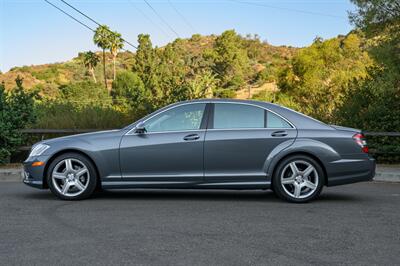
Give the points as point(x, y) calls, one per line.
point(211, 118)
point(209, 113)
point(202, 123)
point(287, 121)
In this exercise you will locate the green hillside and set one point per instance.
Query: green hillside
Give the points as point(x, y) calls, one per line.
point(48, 78)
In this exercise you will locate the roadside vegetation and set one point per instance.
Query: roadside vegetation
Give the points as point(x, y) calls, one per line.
point(351, 80)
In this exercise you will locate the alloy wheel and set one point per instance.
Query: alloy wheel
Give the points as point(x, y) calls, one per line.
point(70, 177)
point(299, 179)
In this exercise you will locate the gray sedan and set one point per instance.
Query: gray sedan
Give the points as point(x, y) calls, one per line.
point(206, 144)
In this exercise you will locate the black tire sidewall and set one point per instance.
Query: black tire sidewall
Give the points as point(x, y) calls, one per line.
point(92, 179)
point(276, 181)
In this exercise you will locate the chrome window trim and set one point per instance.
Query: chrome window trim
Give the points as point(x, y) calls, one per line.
point(172, 131)
point(211, 129)
point(171, 107)
point(250, 128)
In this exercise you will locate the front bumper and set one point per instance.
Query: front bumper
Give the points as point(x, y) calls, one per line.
point(34, 175)
point(349, 171)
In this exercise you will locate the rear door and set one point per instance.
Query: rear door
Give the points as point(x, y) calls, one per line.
point(239, 139)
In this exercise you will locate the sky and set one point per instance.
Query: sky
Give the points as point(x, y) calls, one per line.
point(33, 32)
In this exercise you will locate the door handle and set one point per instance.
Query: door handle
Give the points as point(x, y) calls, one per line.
point(280, 133)
point(191, 137)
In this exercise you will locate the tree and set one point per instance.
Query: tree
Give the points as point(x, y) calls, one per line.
point(376, 16)
point(116, 43)
point(380, 21)
point(145, 60)
point(202, 86)
point(147, 66)
point(374, 103)
point(320, 76)
point(173, 73)
point(16, 113)
point(102, 38)
point(232, 65)
point(90, 61)
point(129, 89)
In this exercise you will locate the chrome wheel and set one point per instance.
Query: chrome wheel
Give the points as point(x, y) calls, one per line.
point(70, 177)
point(299, 179)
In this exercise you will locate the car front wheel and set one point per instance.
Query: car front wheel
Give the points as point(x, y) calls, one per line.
point(72, 176)
point(298, 179)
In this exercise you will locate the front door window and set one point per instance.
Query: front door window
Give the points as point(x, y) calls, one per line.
point(181, 118)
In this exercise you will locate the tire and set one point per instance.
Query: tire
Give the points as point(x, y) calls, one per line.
point(298, 179)
point(72, 176)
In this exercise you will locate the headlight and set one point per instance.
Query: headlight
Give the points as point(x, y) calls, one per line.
point(38, 150)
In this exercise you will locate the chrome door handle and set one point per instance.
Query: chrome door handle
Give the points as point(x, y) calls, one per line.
point(191, 137)
point(280, 133)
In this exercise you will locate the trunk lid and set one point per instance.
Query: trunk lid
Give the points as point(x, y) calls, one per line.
point(355, 130)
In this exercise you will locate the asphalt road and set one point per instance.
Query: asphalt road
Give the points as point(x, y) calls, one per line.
point(354, 224)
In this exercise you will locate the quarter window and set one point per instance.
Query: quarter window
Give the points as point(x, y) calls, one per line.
point(181, 118)
point(228, 116)
point(274, 121)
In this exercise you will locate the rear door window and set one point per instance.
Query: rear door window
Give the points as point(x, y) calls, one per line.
point(237, 116)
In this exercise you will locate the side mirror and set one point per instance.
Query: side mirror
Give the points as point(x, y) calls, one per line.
point(140, 128)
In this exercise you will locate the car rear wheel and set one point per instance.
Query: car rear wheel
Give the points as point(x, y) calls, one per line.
point(72, 176)
point(298, 179)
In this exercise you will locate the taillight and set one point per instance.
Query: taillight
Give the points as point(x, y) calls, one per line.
point(360, 140)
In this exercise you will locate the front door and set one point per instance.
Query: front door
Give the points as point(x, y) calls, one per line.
point(171, 149)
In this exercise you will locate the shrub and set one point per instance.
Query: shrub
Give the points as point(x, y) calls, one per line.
point(128, 89)
point(54, 114)
point(16, 113)
point(85, 93)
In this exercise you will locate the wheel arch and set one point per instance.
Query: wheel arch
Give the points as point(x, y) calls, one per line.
point(55, 155)
point(304, 153)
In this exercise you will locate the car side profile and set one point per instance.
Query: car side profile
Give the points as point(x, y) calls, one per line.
point(206, 144)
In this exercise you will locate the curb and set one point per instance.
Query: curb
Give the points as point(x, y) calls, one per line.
point(383, 174)
point(11, 175)
point(387, 177)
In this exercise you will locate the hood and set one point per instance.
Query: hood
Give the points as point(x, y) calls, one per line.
point(79, 136)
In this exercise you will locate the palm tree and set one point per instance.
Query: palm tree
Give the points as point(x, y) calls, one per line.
point(90, 61)
point(102, 39)
point(116, 43)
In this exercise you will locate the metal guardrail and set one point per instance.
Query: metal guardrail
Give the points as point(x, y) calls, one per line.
point(45, 131)
point(383, 134)
point(58, 131)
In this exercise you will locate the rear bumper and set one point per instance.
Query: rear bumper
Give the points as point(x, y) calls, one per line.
point(351, 171)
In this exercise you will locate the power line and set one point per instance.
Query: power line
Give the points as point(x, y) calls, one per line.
point(77, 20)
point(182, 17)
point(287, 9)
point(161, 18)
point(149, 19)
point(94, 21)
point(80, 22)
